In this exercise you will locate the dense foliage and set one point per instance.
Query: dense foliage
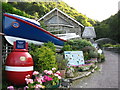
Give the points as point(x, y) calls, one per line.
point(44, 57)
point(39, 9)
point(109, 28)
point(7, 8)
point(110, 45)
point(77, 44)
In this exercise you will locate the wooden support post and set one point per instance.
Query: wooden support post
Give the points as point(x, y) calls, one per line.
point(1, 46)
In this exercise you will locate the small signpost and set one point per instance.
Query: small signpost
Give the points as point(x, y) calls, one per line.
point(95, 45)
point(20, 44)
point(74, 57)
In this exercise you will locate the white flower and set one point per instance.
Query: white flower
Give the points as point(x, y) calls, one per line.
point(50, 72)
point(53, 68)
point(56, 74)
point(59, 77)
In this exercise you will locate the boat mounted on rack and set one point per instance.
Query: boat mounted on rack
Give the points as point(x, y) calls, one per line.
point(21, 28)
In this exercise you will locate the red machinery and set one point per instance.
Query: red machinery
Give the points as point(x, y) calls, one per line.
point(19, 63)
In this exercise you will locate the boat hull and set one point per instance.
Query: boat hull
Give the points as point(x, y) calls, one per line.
point(12, 39)
point(16, 27)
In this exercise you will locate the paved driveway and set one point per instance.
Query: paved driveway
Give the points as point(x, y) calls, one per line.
point(106, 77)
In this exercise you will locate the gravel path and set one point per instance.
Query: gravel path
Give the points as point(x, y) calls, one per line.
point(106, 77)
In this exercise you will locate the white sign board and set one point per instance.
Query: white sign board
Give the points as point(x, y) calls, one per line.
point(74, 57)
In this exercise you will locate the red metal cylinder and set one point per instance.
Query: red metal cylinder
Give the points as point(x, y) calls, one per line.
point(19, 63)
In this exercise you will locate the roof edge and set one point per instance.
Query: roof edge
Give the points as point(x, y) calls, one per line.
point(62, 13)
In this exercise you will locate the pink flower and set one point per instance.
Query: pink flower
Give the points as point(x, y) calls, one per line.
point(74, 65)
point(49, 72)
point(44, 80)
point(45, 71)
point(28, 76)
point(38, 86)
point(10, 87)
point(79, 65)
point(28, 80)
point(53, 68)
point(40, 79)
point(25, 88)
point(47, 78)
point(59, 77)
point(58, 72)
point(35, 73)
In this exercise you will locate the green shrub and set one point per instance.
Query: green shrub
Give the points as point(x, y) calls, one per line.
point(107, 45)
point(77, 44)
point(117, 46)
point(46, 58)
point(86, 56)
point(61, 62)
point(67, 48)
point(43, 56)
point(88, 48)
point(93, 54)
point(8, 8)
point(101, 57)
point(50, 45)
point(110, 45)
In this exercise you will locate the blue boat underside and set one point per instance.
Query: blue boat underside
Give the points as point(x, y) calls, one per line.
point(21, 28)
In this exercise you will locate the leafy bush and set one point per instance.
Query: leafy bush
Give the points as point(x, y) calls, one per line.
point(101, 58)
point(44, 57)
point(8, 8)
point(50, 45)
point(93, 54)
point(118, 46)
point(88, 48)
point(110, 45)
point(86, 56)
point(61, 62)
point(47, 58)
point(77, 44)
point(67, 48)
point(107, 45)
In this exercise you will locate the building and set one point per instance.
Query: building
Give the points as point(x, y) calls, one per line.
point(61, 24)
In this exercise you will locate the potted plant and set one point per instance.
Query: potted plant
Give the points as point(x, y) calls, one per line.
point(61, 64)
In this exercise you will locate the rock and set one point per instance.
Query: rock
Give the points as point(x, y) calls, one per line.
point(95, 67)
point(88, 73)
point(69, 73)
point(93, 71)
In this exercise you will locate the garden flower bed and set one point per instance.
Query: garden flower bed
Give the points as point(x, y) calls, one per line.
point(47, 79)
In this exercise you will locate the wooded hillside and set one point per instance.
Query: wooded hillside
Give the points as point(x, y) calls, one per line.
point(109, 28)
point(39, 9)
